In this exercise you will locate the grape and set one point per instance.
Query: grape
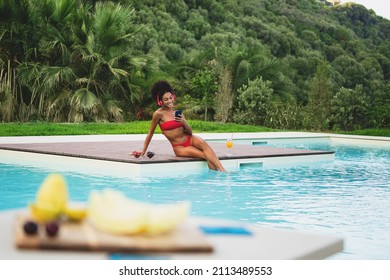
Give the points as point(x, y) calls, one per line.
point(30, 228)
point(52, 228)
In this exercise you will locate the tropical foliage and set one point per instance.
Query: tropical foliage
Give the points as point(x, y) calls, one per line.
point(254, 102)
point(292, 64)
point(350, 109)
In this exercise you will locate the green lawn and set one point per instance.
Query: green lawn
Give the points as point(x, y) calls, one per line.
point(138, 127)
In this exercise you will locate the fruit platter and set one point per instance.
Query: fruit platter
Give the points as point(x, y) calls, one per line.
point(109, 221)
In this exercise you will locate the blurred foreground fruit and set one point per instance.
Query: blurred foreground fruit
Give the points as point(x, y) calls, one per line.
point(51, 200)
point(53, 190)
point(165, 217)
point(44, 212)
point(30, 228)
point(76, 213)
point(111, 211)
point(52, 228)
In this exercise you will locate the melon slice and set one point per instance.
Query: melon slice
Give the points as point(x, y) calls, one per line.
point(111, 211)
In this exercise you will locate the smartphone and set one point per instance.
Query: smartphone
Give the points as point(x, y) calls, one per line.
point(178, 113)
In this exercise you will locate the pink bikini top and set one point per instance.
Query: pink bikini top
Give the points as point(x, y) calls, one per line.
point(169, 125)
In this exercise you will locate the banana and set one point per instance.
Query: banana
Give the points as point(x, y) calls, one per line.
point(111, 211)
point(75, 214)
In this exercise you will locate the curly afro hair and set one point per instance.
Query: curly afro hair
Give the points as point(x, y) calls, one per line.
point(159, 88)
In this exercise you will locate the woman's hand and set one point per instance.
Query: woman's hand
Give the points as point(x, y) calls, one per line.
point(187, 128)
point(181, 119)
point(137, 154)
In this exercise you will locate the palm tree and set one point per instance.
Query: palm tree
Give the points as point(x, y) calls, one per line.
point(85, 65)
point(235, 69)
point(15, 35)
point(109, 66)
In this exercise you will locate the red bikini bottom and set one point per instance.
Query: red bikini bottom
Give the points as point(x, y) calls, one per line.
point(185, 143)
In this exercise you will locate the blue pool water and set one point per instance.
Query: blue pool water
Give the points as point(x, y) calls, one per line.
point(349, 197)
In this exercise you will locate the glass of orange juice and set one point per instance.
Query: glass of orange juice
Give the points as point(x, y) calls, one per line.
point(229, 145)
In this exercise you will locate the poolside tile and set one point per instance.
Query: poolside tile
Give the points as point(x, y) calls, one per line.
point(120, 151)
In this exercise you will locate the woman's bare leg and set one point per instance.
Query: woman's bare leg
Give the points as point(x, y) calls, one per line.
point(200, 149)
point(191, 151)
point(202, 145)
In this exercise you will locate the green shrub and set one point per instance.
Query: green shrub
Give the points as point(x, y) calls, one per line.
point(254, 102)
point(350, 109)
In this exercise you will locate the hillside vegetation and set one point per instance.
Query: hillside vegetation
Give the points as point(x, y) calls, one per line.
point(283, 64)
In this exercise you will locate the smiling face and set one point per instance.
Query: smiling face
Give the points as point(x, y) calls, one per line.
point(168, 99)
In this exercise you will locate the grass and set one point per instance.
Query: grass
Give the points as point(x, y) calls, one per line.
point(137, 127)
point(47, 128)
point(371, 132)
point(140, 127)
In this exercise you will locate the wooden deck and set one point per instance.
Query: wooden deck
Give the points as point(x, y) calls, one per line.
point(120, 151)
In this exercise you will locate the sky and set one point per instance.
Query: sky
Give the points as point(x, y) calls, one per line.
point(380, 7)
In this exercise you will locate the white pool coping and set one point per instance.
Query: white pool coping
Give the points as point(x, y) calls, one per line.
point(207, 136)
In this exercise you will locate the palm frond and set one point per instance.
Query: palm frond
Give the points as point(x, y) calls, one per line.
point(58, 106)
point(63, 9)
point(53, 76)
point(83, 99)
point(109, 27)
point(113, 110)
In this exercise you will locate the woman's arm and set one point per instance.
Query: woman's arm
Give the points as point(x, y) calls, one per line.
point(153, 125)
point(187, 127)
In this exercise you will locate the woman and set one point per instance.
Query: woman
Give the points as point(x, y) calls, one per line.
point(177, 130)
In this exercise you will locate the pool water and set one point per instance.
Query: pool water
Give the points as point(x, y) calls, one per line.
point(349, 197)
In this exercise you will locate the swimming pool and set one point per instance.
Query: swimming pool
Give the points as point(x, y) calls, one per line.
point(348, 197)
